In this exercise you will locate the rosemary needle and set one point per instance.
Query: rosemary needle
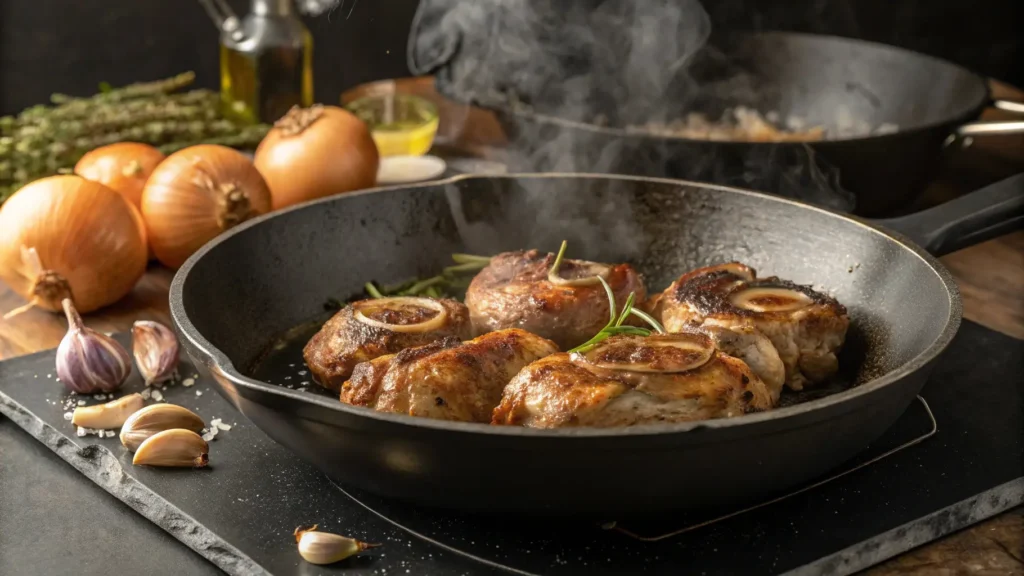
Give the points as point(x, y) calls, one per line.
point(558, 259)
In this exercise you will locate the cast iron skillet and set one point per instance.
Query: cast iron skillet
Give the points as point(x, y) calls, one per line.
point(824, 80)
point(265, 276)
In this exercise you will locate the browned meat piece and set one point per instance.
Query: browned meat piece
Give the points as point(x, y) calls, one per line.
point(446, 380)
point(367, 329)
point(515, 291)
point(630, 380)
point(807, 328)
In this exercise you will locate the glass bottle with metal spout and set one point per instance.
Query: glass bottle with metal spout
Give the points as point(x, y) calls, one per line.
point(266, 60)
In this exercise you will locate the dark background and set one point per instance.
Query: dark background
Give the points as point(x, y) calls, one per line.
point(69, 46)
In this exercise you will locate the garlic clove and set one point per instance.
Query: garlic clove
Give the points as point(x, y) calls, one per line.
point(326, 548)
point(110, 415)
point(154, 419)
point(173, 448)
point(88, 361)
point(156, 351)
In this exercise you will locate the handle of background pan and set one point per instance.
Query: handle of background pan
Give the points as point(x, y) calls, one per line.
point(994, 210)
point(973, 129)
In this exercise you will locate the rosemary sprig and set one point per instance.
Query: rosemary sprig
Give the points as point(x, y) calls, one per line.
point(614, 325)
point(450, 279)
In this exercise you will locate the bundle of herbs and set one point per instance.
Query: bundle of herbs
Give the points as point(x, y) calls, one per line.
point(49, 139)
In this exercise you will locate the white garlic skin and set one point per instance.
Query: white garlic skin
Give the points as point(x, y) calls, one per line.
point(88, 361)
point(326, 548)
point(155, 348)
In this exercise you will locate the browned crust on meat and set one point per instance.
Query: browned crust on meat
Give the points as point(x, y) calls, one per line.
point(574, 393)
point(343, 342)
point(513, 291)
point(707, 290)
point(448, 380)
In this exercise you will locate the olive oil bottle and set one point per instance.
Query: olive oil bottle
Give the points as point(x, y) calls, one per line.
point(266, 62)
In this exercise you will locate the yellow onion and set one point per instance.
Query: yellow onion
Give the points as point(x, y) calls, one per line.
point(123, 167)
point(197, 193)
point(68, 237)
point(315, 152)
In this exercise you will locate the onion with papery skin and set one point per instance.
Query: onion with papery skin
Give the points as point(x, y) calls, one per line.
point(316, 152)
point(65, 236)
point(197, 193)
point(123, 167)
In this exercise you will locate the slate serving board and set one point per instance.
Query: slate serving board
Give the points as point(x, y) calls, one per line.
point(240, 512)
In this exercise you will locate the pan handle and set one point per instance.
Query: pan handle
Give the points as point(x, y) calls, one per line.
point(966, 132)
point(1009, 106)
point(968, 220)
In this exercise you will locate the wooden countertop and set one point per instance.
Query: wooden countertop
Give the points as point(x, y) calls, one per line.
point(990, 276)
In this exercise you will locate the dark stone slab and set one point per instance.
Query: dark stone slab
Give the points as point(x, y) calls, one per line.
point(240, 513)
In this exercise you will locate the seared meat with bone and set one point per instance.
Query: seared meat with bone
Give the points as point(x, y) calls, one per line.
point(446, 380)
point(628, 380)
point(807, 328)
point(516, 290)
point(367, 329)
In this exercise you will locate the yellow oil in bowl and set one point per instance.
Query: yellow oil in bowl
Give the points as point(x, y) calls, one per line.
point(401, 124)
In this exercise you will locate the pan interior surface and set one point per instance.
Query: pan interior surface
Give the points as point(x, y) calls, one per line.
point(270, 276)
point(850, 87)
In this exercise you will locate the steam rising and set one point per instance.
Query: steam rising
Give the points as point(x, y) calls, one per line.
point(580, 71)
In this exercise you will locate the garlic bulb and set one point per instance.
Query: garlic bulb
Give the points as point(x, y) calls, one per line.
point(326, 548)
point(88, 361)
point(156, 351)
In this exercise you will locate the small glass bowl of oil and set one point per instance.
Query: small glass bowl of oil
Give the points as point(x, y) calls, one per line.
point(401, 124)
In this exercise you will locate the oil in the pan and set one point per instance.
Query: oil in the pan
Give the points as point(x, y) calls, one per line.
point(282, 363)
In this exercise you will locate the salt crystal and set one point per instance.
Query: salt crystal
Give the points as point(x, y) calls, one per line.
point(81, 402)
point(287, 377)
point(68, 415)
point(302, 372)
point(215, 421)
point(49, 375)
point(109, 433)
point(199, 392)
point(158, 396)
point(164, 387)
point(188, 382)
point(80, 432)
point(210, 435)
point(146, 394)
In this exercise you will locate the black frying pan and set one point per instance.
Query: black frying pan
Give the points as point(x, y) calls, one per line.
point(273, 273)
point(823, 80)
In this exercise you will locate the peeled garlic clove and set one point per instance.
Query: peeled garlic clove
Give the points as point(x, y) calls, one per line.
point(87, 361)
point(173, 448)
point(113, 414)
point(156, 350)
point(154, 419)
point(326, 548)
